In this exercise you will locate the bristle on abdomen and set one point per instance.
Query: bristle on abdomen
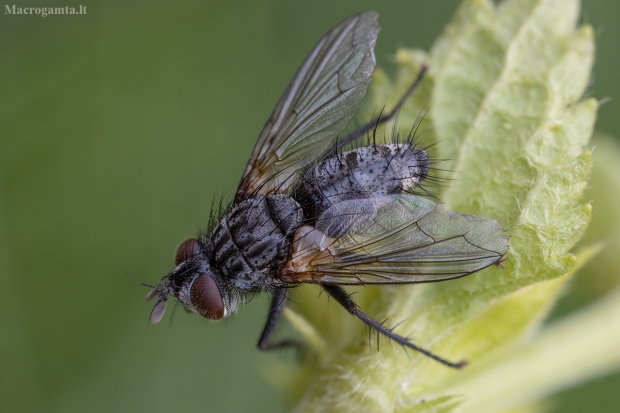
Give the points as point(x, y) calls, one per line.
point(365, 172)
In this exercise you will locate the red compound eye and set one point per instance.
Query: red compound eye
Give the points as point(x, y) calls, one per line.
point(206, 297)
point(187, 250)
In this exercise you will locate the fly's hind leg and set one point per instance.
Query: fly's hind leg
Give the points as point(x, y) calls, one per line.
point(278, 304)
point(345, 300)
point(364, 129)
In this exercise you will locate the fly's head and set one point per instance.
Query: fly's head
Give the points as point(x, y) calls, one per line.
point(195, 284)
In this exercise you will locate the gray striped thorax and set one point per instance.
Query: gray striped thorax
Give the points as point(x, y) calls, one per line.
point(253, 237)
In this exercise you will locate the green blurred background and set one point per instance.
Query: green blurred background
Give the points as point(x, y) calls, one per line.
point(117, 128)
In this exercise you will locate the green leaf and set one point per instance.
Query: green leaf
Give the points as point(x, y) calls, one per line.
point(582, 345)
point(505, 90)
point(601, 275)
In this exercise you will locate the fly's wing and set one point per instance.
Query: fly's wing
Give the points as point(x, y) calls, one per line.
point(317, 105)
point(392, 240)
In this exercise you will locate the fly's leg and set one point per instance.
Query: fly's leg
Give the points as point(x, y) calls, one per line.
point(278, 304)
point(364, 129)
point(345, 300)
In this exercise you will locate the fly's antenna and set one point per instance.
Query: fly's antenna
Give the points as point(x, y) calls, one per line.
point(134, 279)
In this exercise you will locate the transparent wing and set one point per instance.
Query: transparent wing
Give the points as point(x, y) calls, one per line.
point(391, 240)
point(317, 105)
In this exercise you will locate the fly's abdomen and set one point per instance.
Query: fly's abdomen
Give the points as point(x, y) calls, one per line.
point(251, 239)
point(364, 172)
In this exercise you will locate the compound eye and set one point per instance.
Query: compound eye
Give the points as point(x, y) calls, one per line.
point(187, 250)
point(206, 297)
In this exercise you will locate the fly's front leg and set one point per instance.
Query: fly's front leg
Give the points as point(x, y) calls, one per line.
point(345, 300)
point(278, 304)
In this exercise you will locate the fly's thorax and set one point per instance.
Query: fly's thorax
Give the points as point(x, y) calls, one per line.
point(365, 172)
point(252, 238)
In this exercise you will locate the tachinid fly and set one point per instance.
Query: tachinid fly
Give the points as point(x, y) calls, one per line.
point(308, 212)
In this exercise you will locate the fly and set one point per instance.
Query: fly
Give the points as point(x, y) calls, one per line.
point(308, 212)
